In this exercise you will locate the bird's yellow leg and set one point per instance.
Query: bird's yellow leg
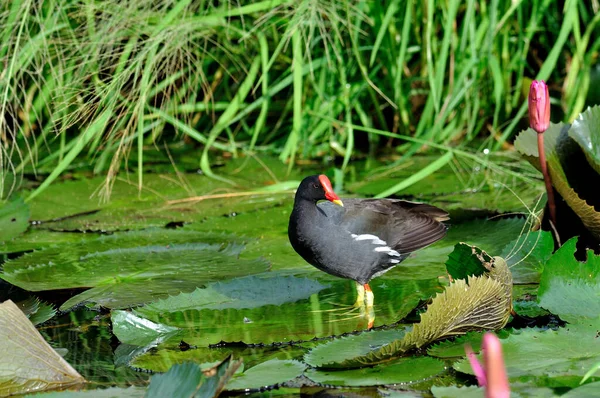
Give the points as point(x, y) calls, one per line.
point(360, 295)
point(369, 310)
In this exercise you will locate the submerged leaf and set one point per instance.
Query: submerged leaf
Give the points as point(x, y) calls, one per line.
point(29, 363)
point(127, 269)
point(189, 380)
point(14, 219)
point(570, 288)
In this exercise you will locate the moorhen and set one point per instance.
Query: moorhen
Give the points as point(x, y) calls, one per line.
point(361, 238)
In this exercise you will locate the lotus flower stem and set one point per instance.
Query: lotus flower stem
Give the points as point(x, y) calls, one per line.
point(547, 180)
point(539, 120)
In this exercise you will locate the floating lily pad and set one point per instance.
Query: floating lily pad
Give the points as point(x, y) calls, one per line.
point(239, 293)
point(517, 390)
point(328, 314)
point(456, 348)
point(533, 353)
point(267, 374)
point(405, 370)
point(334, 353)
point(570, 288)
point(113, 392)
point(457, 392)
point(161, 359)
point(527, 255)
point(529, 308)
point(584, 391)
point(189, 380)
point(29, 363)
point(14, 219)
point(132, 268)
point(164, 198)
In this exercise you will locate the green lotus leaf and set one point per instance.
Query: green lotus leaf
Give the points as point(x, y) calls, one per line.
point(328, 313)
point(570, 288)
point(456, 348)
point(457, 392)
point(586, 132)
point(584, 391)
point(561, 154)
point(112, 392)
point(14, 219)
point(28, 362)
point(527, 255)
point(189, 380)
point(533, 353)
point(246, 292)
point(404, 370)
point(335, 353)
point(267, 374)
point(132, 268)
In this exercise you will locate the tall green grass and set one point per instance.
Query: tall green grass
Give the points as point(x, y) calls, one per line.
point(88, 81)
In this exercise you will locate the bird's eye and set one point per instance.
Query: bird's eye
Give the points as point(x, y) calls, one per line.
point(315, 186)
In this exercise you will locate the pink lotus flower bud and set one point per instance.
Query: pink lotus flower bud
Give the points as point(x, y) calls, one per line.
point(539, 106)
point(492, 374)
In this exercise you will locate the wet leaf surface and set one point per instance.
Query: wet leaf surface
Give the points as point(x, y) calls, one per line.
point(527, 255)
point(404, 370)
point(267, 374)
point(189, 380)
point(14, 219)
point(334, 353)
point(532, 353)
point(132, 268)
point(570, 288)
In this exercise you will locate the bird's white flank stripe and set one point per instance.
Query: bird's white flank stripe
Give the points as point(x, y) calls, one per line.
point(394, 261)
point(388, 250)
point(376, 240)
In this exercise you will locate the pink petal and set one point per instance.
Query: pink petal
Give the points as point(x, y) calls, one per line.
point(476, 366)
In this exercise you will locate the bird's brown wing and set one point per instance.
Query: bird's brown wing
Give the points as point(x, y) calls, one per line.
point(405, 226)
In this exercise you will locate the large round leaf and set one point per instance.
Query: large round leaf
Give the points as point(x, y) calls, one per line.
point(128, 269)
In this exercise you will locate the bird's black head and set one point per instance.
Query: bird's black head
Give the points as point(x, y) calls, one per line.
point(317, 187)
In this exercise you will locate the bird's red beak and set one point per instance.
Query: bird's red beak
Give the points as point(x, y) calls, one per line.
point(329, 194)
